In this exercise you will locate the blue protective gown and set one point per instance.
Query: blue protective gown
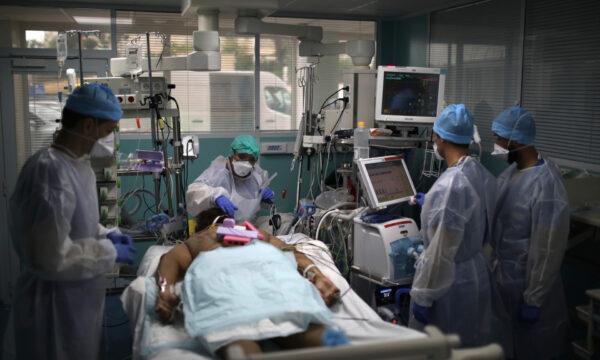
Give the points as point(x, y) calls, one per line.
point(530, 238)
point(452, 276)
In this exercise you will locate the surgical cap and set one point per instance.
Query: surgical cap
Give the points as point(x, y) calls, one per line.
point(96, 101)
point(455, 124)
point(515, 124)
point(245, 144)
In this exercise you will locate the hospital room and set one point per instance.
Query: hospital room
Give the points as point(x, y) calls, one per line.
point(283, 179)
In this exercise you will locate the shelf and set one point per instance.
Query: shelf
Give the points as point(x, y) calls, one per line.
point(106, 182)
point(580, 349)
point(126, 172)
point(379, 281)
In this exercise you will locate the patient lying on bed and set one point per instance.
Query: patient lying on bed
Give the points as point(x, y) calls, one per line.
point(241, 295)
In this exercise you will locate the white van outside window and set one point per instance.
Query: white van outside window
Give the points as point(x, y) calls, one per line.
point(223, 101)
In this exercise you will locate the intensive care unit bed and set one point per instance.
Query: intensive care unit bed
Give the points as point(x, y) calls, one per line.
point(370, 337)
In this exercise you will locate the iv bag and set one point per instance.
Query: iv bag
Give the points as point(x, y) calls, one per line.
point(61, 47)
point(134, 59)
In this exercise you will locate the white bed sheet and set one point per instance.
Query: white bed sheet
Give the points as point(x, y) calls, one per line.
point(351, 314)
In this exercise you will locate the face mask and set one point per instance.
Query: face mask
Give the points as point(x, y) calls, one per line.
point(104, 148)
point(242, 168)
point(436, 153)
point(500, 152)
point(101, 146)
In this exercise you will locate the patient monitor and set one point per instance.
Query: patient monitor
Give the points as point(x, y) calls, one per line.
point(385, 252)
point(385, 180)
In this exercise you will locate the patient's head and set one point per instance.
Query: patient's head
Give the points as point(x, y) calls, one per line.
point(207, 217)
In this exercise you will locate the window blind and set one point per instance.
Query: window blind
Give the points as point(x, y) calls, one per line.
point(209, 101)
point(561, 75)
point(279, 55)
point(480, 47)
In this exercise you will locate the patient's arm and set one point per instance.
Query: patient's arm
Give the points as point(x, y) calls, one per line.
point(171, 269)
point(329, 292)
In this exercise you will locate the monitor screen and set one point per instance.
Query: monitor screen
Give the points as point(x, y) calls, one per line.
point(410, 94)
point(390, 180)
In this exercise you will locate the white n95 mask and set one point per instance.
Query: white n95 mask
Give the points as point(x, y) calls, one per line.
point(436, 153)
point(242, 168)
point(104, 148)
point(500, 152)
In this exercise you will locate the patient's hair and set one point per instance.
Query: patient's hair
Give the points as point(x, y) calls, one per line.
point(206, 218)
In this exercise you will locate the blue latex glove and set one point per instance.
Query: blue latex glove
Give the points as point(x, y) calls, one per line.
point(421, 313)
point(333, 337)
point(117, 238)
point(125, 250)
point(267, 195)
point(226, 205)
point(529, 313)
point(156, 222)
point(420, 199)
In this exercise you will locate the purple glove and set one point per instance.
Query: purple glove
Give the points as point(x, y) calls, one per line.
point(529, 314)
point(267, 195)
point(226, 205)
point(117, 238)
point(125, 249)
point(420, 199)
point(333, 337)
point(421, 313)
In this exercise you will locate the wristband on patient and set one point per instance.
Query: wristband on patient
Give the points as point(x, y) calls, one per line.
point(310, 275)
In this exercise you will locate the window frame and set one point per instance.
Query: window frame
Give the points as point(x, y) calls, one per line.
point(107, 54)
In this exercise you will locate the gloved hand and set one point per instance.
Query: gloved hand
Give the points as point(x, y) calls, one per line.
point(226, 205)
point(117, 238)
point(421, 313)
point(529, 313)
point(155, 223)
point(333, 337)
point(418, 199)
point(267, 195)
point(125, 250)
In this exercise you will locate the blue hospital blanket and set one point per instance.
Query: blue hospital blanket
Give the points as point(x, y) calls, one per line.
point(250, 292)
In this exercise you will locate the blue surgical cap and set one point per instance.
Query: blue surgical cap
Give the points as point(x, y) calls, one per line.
point(96, 101)
point(245, 144)
point(455, 124)
point(515, 124)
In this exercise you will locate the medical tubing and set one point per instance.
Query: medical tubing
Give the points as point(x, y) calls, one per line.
point(329, 212)
point(345, 88)
point(340, 116)
point(331, 103)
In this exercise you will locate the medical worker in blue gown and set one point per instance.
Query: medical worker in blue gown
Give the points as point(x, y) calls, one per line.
point(451, 287)
point(530, 237)
point(65, 253)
